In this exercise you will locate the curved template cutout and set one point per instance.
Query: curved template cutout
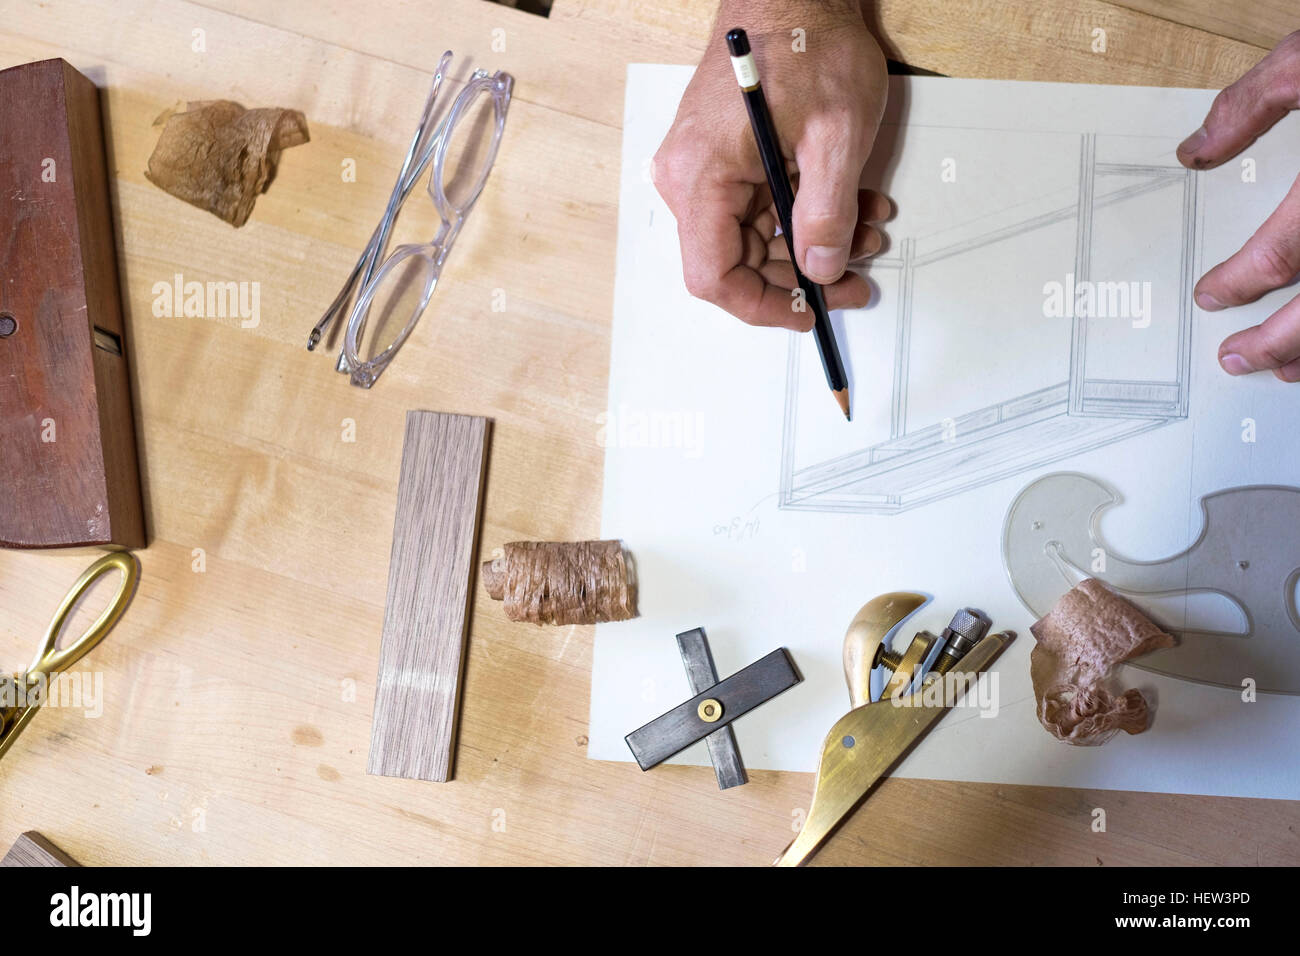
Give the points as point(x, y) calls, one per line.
point(1248, 551)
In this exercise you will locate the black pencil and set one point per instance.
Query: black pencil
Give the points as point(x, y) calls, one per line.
point(742, 59)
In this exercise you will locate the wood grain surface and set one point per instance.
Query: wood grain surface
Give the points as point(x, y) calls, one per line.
point(430, 573)
point(238, 688)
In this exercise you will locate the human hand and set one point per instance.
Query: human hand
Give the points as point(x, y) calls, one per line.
point(1271, 257)
point(826, 104)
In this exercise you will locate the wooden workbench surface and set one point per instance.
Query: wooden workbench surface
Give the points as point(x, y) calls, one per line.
point(238, 689)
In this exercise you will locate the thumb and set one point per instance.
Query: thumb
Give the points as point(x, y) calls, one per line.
point(826, 205)
point(1246, 109)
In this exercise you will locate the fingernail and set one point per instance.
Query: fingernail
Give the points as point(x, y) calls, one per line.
point(1194, 142)
point(825, 263)
point(1234, 364)
point(872, 244)
point(1208, 302)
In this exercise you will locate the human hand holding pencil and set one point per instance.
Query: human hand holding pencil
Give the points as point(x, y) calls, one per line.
point(827, 101)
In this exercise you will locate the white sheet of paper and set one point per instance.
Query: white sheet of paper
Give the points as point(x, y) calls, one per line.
point(713, 426)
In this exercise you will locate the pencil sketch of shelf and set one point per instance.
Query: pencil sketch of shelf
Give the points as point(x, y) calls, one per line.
point(1020, 336)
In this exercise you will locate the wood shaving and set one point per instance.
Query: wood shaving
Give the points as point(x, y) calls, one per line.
point(219, 156)
point(558, 582)
point(1081, 641)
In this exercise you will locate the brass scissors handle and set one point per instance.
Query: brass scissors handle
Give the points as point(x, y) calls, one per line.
point(51, 659)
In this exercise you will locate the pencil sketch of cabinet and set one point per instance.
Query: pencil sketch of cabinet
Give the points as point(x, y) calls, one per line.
point(1026, 332)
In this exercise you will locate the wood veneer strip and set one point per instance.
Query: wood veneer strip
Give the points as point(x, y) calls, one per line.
point(32, 849)
point(430, 574)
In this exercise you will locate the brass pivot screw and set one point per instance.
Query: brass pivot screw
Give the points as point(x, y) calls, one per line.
point(887, 658)
point(963, 632)
point(709, 710)
point(904, 666)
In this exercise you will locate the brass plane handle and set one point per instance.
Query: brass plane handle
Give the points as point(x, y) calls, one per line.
point(864, 640)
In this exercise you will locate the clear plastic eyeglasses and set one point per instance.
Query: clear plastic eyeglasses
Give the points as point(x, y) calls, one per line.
point(462, 146)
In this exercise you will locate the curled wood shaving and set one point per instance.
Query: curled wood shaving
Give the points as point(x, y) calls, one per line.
point(218, 156)
point(1081, 641)
point(558, 582)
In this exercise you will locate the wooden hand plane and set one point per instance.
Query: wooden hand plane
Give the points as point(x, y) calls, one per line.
point(872, 738)
point(68, 466)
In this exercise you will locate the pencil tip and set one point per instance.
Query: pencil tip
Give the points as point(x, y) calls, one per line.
point(842, 398)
